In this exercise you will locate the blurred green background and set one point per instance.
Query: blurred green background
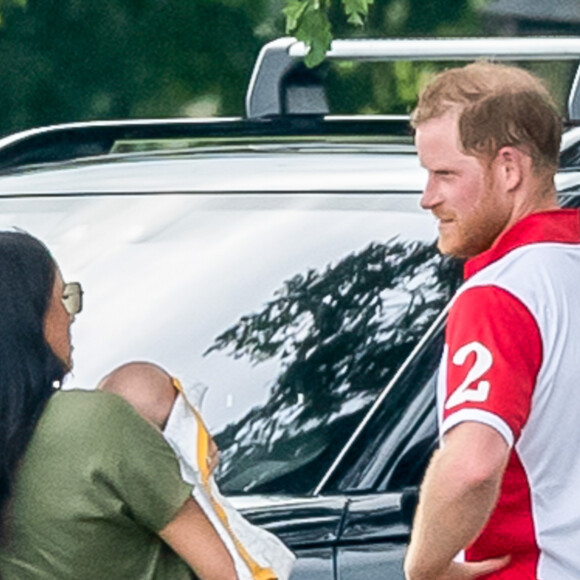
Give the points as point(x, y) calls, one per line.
point(75, 60)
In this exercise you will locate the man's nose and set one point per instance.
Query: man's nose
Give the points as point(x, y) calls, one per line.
point(430, 197)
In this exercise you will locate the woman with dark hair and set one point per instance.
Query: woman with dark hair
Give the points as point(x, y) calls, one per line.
point(88, 488)
point(29, 368)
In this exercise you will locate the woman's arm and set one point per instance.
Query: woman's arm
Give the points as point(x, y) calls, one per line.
point(191, 535)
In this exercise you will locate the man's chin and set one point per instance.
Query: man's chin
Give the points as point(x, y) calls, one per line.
point(444, 246)
point(448, 248)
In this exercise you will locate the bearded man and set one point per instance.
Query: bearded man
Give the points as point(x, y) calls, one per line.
point(501, 497)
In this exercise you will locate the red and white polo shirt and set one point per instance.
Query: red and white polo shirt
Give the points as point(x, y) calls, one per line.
point(512, 361)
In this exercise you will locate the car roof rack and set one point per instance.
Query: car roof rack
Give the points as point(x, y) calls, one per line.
point(74, 141)
point(282, 85)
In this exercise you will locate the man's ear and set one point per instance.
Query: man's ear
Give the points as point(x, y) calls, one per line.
point(509, 165)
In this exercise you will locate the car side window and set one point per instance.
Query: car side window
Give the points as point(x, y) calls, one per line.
point(393, 450)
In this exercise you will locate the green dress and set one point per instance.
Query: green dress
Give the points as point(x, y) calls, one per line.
point(95, 485)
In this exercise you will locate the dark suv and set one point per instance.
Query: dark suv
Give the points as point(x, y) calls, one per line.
point(280, 265)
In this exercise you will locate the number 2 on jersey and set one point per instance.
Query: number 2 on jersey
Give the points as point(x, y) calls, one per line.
point(472, 390)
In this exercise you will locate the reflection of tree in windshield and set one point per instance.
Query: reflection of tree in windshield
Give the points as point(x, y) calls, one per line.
point(340, 335)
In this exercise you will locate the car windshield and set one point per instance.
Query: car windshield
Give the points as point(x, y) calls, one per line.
point(290, 311)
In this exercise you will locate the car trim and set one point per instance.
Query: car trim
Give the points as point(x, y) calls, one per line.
point(70, 141)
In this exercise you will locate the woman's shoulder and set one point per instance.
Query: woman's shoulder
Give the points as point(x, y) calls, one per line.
point(87, 400)
point(88, 409)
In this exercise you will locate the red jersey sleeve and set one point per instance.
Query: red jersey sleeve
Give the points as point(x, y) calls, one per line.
point(491, 361)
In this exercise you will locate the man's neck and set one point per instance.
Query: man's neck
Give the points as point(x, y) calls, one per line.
point(538, 196)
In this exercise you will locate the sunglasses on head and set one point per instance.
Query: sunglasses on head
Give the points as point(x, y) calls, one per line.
point(72, 298)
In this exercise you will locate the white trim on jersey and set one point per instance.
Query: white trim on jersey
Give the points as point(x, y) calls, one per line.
point(479, 416)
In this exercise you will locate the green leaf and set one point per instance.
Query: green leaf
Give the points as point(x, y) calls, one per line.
point(293, 11)
point(314, 30)
point(308, 21)
point(356, 10)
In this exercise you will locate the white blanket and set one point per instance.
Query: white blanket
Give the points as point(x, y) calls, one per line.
point(257, 554)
